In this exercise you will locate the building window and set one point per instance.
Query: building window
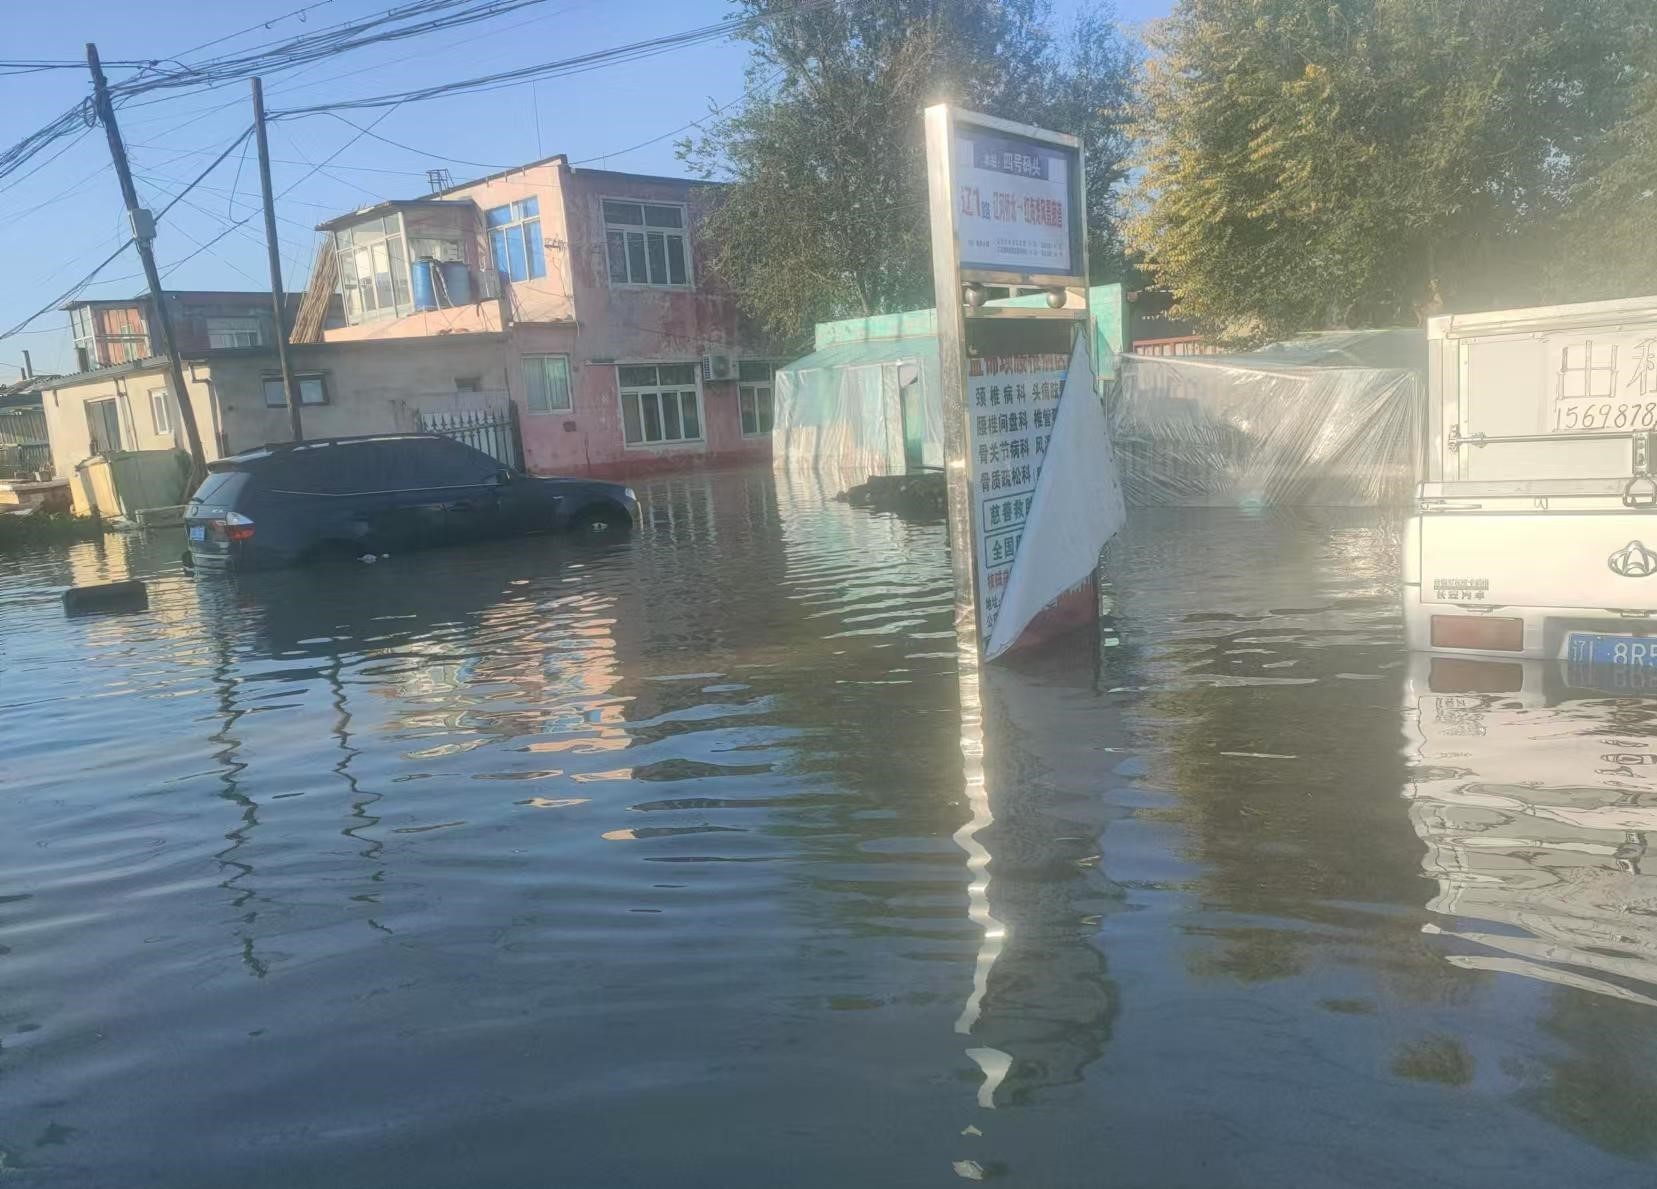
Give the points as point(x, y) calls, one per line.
point(515, 239)
point(234, 332)
point(373, 268)
point(753, 396)
point(159, 413)
point(646, 243)
point(660, 403)
point(312, 390)
point(434, 248)
point(86, 345)
point(547, 383)
point(103, 426)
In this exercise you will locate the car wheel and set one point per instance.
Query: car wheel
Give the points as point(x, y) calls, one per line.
point(601, 523)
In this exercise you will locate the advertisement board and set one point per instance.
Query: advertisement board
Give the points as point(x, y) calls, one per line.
point(1012, 404)
point(1015, 204)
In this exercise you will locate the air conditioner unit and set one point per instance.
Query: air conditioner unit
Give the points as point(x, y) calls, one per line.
point(489, 284)
point(718, 367)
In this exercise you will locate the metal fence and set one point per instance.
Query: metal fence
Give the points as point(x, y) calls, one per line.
point(24, 446)
point(494, 431)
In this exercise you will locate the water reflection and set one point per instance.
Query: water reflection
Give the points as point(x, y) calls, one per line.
point(1535, 800)
point(600, 864)
point(1041, 1006)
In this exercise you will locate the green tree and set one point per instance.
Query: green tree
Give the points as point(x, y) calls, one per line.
point(1610, 247)
point(826, 214)
point(1324, 163)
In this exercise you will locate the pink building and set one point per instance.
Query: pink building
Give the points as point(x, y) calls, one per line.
point(617, 349)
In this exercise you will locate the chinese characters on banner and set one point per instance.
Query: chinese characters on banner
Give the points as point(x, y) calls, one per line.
point(1012, 403)
point(1012, 204)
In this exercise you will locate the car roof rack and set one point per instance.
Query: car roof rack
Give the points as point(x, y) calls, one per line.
point(336, 439)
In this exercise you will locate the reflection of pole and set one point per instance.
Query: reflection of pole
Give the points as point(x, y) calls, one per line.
point(1099, 626)
point(978, 857)
point(993, 1062)
point(225, 684)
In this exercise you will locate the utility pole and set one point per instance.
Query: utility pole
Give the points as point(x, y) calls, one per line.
point(143, 234)
point(279, 301)
point(28, 367)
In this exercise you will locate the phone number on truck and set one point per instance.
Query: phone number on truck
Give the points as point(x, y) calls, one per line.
point(1612, 415)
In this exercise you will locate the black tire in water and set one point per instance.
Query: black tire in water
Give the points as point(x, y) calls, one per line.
point(601, 523)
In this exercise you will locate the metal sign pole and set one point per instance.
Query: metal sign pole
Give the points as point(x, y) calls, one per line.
point(952, 361)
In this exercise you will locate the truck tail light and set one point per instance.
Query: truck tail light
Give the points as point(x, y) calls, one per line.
point(234, 527)
point(1478, 631)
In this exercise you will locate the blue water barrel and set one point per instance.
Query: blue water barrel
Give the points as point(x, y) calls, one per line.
point(457, 283)
point(425, 294)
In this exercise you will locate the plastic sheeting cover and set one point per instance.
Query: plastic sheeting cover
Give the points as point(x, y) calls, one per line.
point(843, 407)
point(1322, 420)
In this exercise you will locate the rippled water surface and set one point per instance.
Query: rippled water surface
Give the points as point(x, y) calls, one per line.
point(661, 864)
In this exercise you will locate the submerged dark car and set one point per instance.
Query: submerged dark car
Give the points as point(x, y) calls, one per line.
point(298, 502)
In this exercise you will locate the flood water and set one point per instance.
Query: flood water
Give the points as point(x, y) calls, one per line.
point(663, 864)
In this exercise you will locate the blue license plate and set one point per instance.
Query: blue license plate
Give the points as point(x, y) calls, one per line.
point(1615, 652)
point(198, 532)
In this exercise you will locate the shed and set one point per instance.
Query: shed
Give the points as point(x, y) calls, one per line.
point(868, 400)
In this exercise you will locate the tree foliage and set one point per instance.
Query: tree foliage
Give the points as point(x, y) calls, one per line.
point(1610, 243)
point(826, 215)
point(1318, 163)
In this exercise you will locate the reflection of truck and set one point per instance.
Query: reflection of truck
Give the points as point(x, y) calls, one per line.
point(1536, 803)
point(1535, 530)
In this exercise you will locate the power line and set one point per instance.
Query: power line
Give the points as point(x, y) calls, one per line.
point(390, 25)
point(69, 292)
point(746, 95)
point(177, 264)
point(125, 243)
point(580, 64)
point(285, 160)
point(423, 152)
point(298, 12)
point(230, 148)
point(230, 207)
point(296, 51)
point(156, 180)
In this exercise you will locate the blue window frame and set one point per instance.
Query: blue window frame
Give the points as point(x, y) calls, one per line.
point(515, 239)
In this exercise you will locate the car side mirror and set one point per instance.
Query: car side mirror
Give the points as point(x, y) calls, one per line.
point(506, 476)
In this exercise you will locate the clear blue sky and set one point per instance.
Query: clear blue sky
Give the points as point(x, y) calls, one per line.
point(65, 215)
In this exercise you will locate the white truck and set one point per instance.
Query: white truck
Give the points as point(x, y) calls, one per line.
point(1534, 532)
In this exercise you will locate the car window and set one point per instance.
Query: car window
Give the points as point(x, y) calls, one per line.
point(440, 462)
point(220, 488)
point(341, 468)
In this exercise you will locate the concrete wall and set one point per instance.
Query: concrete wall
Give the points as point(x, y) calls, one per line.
point(483, 317)
point(546, 298)
point(620, 324)
point(67, 426)
point(372, 387)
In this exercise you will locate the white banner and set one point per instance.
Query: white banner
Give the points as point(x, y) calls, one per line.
point(1077, 506)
